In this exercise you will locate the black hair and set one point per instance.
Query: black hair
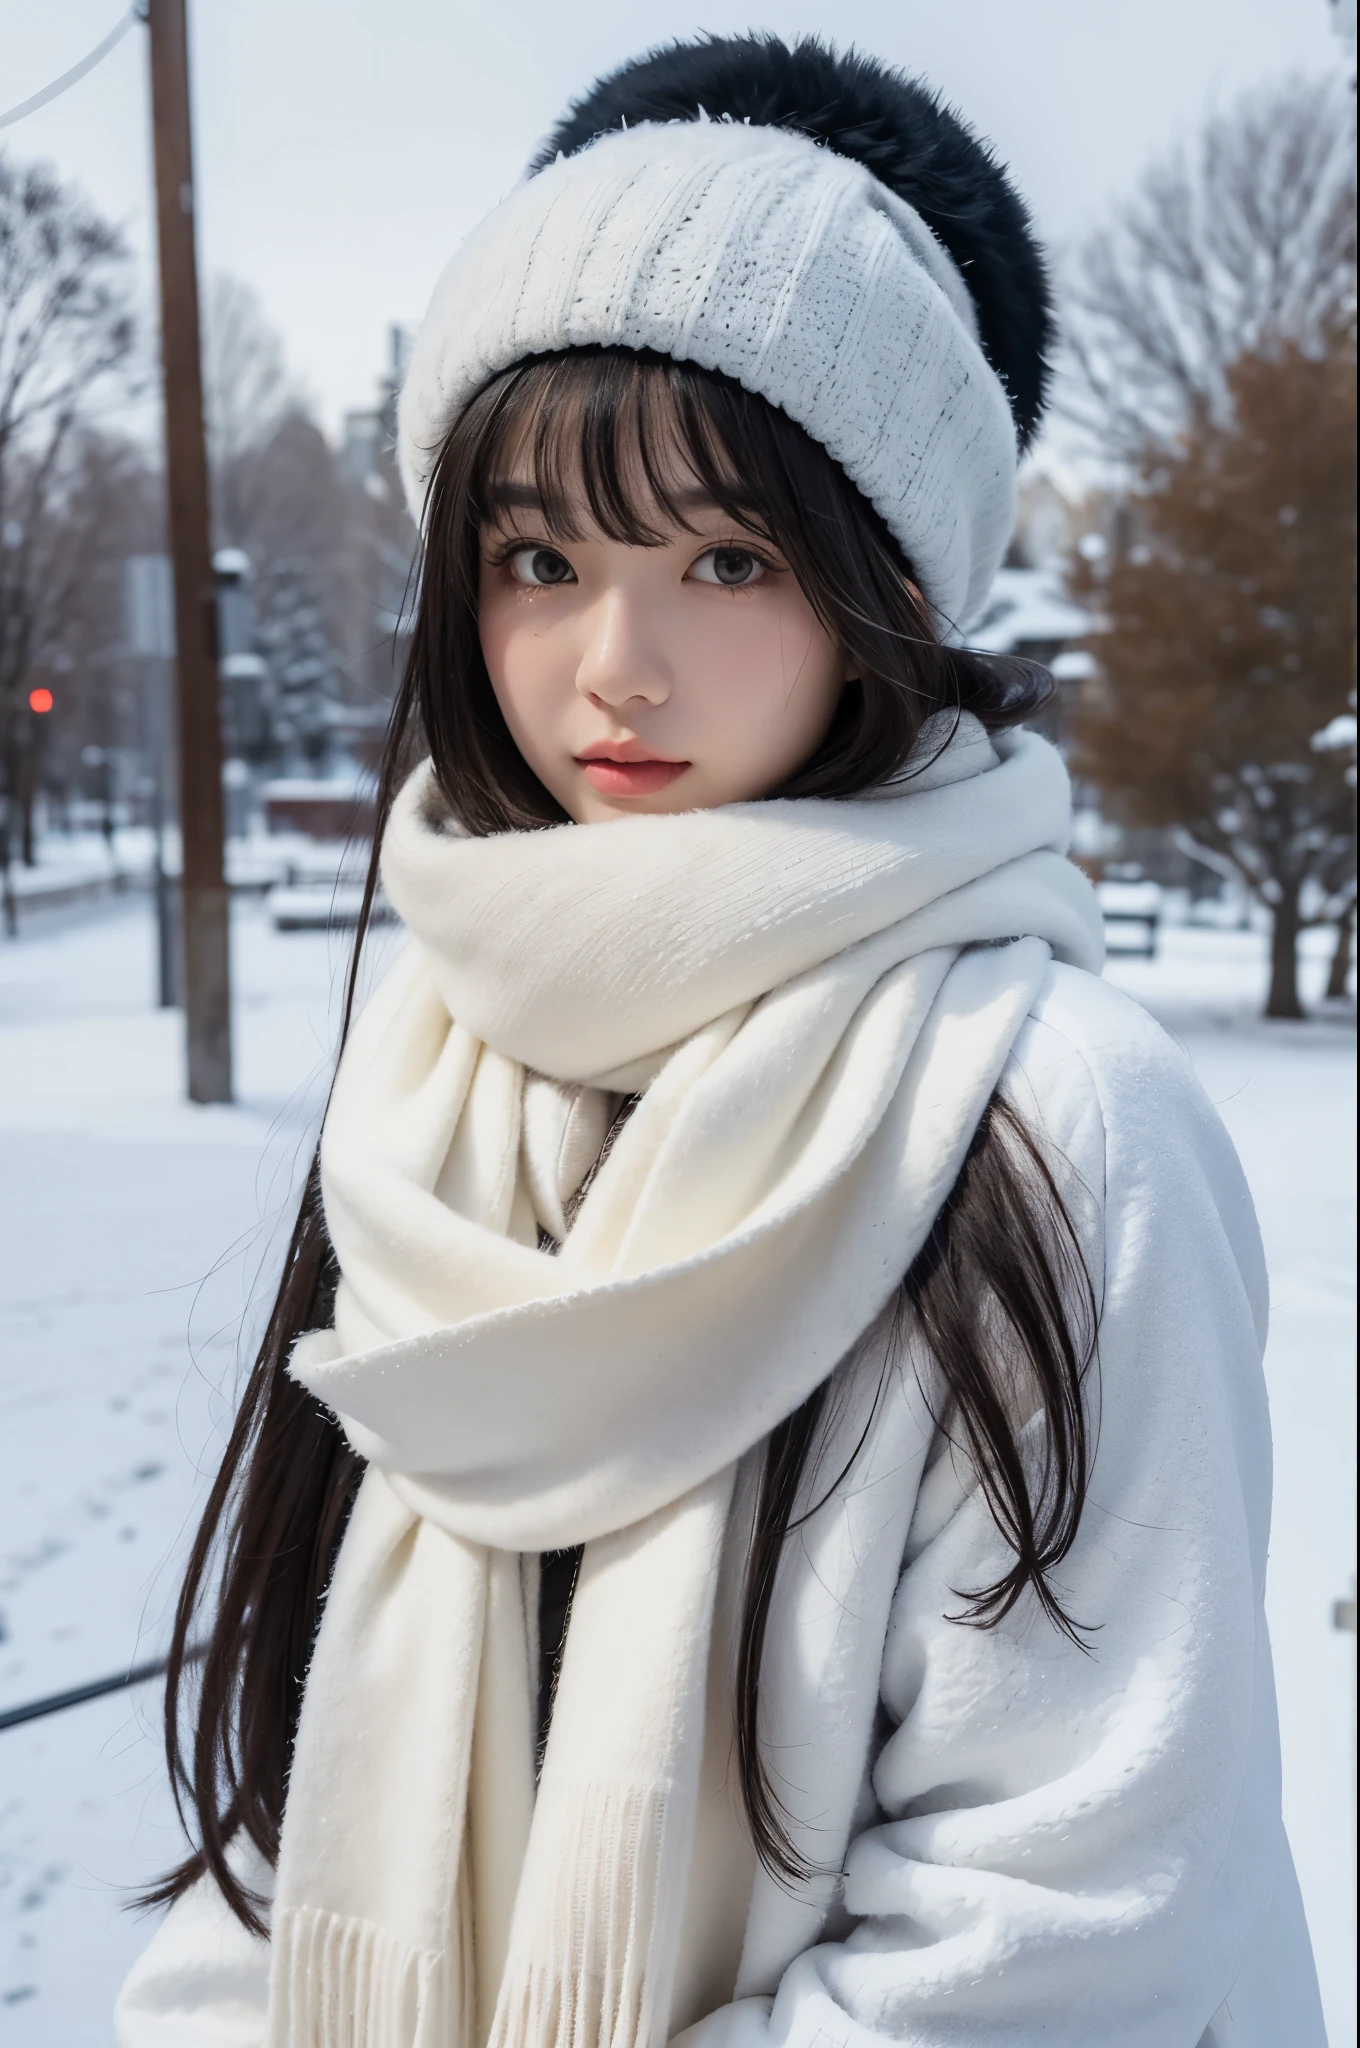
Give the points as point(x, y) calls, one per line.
point(586, 414)
point(897, 127)
point(999, 1291)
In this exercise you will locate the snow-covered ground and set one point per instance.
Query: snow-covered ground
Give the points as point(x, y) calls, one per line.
point(134, 1233)
point(88, 863)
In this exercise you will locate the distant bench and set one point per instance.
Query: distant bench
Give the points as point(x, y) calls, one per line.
point(1135, 906)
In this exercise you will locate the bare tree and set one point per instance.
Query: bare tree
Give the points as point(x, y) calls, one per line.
point(328, 536)
point(110, 505)
point(1226, 249)
point(246, 391)
point(288, 498)
point(278, 494)
point(67, 340)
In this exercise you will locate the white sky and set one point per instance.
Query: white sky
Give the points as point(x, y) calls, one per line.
point(345, 146)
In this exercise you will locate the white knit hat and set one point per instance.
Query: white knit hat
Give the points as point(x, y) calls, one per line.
point(788, 267)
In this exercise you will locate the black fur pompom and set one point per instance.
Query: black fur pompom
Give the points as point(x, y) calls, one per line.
point(893, 125)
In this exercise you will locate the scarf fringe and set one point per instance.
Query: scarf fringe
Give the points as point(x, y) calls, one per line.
point(340, 1983)
point(583, 1965)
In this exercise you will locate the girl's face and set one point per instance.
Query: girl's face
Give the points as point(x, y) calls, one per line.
point(667, 678)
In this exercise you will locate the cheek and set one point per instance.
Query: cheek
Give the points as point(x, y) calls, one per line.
point(757, 659)
point(500, 632)
point(519, 653)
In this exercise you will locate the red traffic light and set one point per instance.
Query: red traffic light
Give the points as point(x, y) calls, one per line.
point(40, 700)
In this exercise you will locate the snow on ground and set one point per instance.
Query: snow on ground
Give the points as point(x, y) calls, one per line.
point(92, 863)
point(134, 1234)
point(1287, 1095)
point(69, 858)
point(133, 1229)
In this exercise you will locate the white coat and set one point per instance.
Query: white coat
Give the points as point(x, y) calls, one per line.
point(1054, 1845)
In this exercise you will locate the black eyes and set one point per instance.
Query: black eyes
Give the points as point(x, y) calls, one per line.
point(730, 567)
point(541, 568)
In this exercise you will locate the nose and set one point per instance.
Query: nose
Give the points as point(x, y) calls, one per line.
point(621, 660)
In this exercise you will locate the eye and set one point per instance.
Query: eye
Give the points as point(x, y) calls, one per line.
point(732, 568)
point(540, 568)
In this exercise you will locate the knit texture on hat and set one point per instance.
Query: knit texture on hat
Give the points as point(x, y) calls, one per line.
point(897, 127)
point(754, 252)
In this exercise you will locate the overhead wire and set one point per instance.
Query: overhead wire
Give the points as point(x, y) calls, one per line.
point(135, 14)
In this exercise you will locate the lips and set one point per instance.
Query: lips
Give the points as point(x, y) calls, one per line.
point(626, 768)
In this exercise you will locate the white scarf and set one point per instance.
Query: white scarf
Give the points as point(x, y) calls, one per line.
point(786, 982)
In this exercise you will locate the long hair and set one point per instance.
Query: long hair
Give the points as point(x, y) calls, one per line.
point(1001, 1272)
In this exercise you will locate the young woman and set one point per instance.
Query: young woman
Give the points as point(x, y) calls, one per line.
point(748, 1524)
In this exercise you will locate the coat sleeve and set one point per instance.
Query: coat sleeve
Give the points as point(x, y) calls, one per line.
point(203, 1980)
point(1082, 1842)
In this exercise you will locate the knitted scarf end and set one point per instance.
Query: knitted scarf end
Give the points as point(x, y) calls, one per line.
point(594, 1981)
point(344, 1983)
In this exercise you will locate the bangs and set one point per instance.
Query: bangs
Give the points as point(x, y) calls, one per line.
point(632, 440)
point(635, 446)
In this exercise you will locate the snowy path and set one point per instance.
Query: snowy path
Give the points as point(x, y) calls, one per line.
point(133, 1231)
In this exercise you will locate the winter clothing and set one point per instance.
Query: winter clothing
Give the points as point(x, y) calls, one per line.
point(787, 267)
point(1043, 1846)
point(1013, 1837)
point(816, 1055)
point(894, 126)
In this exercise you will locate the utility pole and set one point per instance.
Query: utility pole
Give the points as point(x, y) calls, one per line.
point(203, 892)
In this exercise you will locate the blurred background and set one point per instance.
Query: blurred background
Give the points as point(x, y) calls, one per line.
point(1184, 565)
